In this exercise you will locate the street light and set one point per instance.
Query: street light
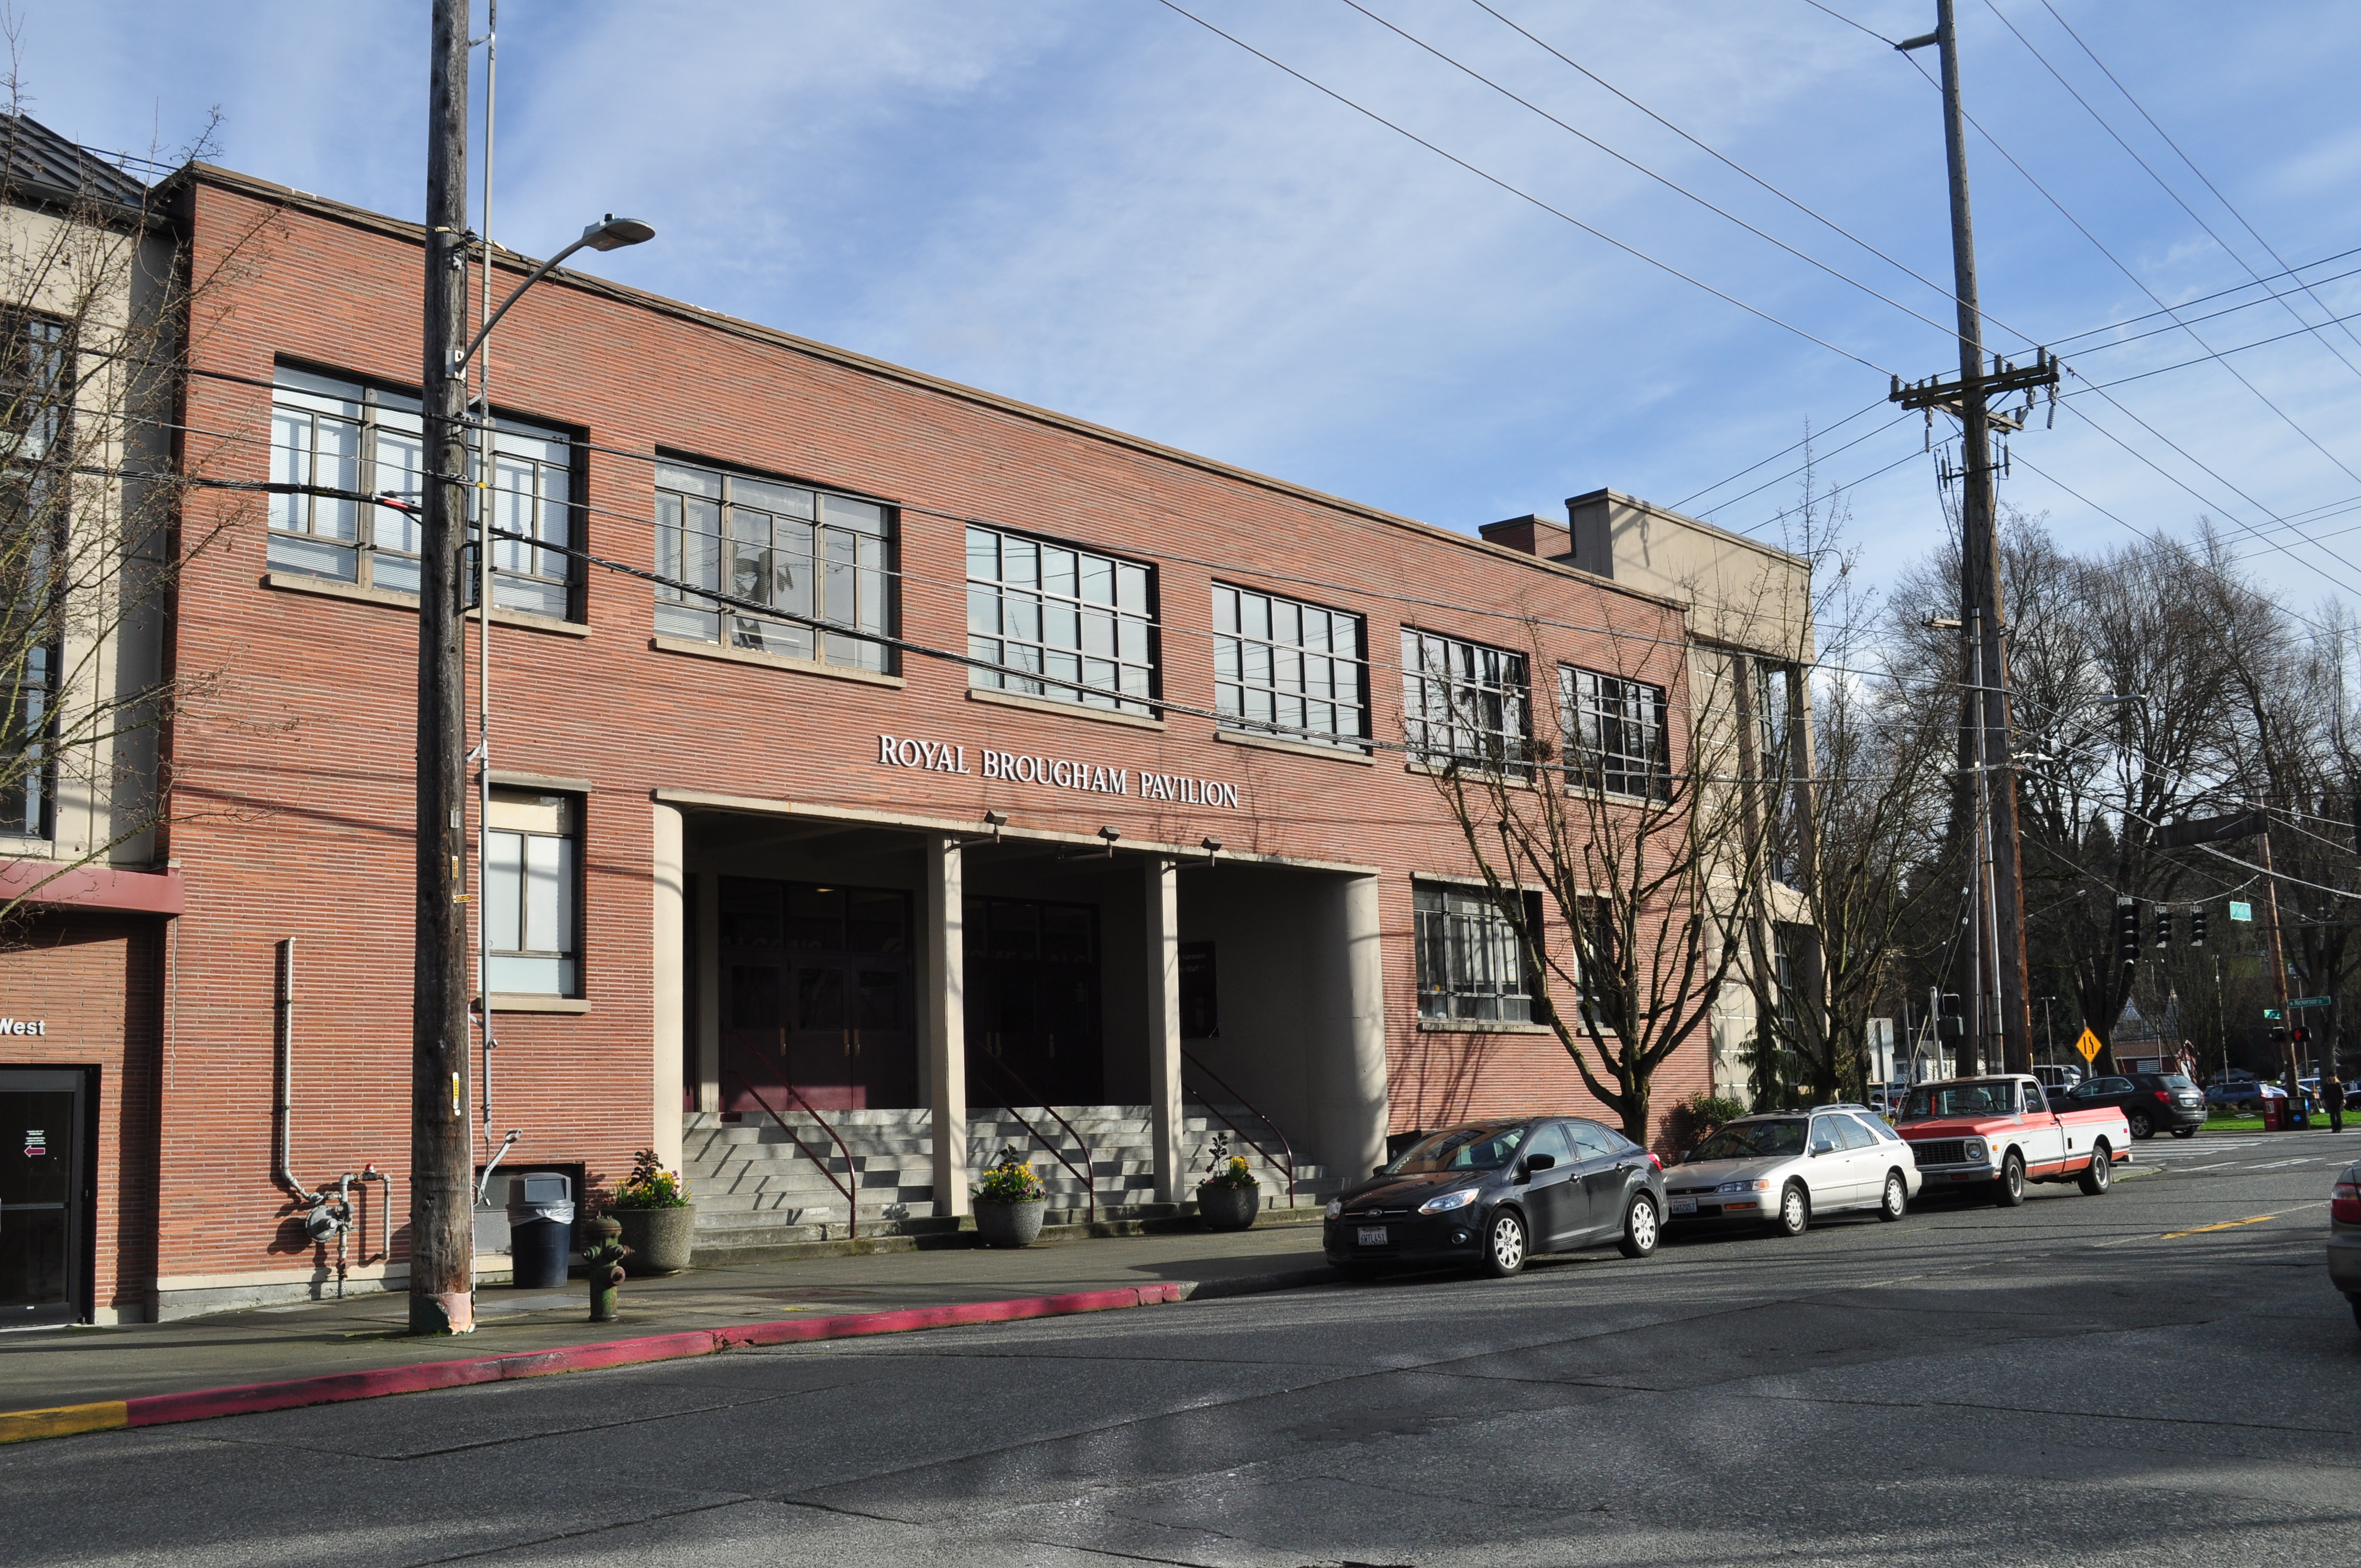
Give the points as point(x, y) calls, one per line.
point(610, 233)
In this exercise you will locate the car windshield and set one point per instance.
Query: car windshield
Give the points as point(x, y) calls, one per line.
point(1462, 1148)
point(1994, 1099)
point(1754, 1140)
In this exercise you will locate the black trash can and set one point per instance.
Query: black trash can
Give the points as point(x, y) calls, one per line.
point(541, 1225)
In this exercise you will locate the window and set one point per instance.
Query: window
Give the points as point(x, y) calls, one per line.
point(1293, 669)
point(1050, 621)
point(1592, 1141)
point(820, 559)
point(1470, 964)
point(343, 436)
point(1777, 699)
point(532, 892)
point(37, 393)
point(1463, 700)
point(1615, 737)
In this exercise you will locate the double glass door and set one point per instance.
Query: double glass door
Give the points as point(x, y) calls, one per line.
point(816, 992)
point(1032, 999)
point(41, 1196)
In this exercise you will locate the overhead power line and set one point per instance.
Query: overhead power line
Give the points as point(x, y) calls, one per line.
point(1523, 195)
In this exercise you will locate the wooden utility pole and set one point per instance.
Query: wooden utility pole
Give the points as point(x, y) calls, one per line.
point(442, 1168)
point(1982, 622)
point(2279, 963)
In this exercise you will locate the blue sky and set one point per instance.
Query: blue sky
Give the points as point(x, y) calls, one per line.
point(1100, 206)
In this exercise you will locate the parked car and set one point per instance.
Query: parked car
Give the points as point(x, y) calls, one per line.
point(2150, 1101)
point(2344, 1236)
point(1786, 1169)
point(2248, 1095)
point(2233, 1075)
point(1999, 1134)
point(1490, 1194)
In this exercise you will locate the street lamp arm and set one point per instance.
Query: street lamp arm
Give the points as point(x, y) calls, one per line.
point(612, 234)
point(493, 321)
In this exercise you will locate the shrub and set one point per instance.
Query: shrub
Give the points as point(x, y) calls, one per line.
point(1694, 1119)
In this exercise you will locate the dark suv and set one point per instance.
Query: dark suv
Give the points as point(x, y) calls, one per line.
point(2151, 1102)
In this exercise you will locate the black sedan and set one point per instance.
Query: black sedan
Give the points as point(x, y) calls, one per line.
point(1490, 1194)
point(2151, 1102)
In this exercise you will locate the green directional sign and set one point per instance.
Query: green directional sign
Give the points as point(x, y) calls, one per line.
point(2314, 1002)
point(2241, 911)
point(2271, 1012)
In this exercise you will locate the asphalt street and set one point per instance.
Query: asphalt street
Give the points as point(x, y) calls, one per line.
point(2162, 1375)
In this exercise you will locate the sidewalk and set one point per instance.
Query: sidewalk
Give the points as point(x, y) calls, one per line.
point(46, 1369)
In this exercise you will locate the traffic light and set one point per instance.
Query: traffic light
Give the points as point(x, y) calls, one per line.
point(2279, 1034)
point(2163, 926)
point(2197, 928)
point(2301, 1035)
point(1948, 1024)
point(2128, 931)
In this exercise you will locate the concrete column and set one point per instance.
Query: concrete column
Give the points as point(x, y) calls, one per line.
point(1162, 881)
point(669, 995)
point(708, 981)
point(943, 1021)
point(1347, 1043)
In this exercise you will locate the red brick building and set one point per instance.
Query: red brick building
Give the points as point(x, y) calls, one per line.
point(1096, 794)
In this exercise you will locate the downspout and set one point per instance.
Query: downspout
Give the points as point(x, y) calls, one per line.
point(283, 1042)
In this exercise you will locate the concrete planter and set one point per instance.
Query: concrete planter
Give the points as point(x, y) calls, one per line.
point(1228, 1207)
point(660, 1239)
point(1009, 1224)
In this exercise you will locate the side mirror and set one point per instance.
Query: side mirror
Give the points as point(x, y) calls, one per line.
point(1539, 1162)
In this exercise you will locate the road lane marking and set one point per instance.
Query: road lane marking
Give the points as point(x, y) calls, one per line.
point(2234, 1224)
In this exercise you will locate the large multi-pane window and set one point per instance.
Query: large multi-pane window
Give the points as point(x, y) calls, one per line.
point(1052, 621)
point(36, 393)
point(1289, 669)
point(531, 896)
point(346, 436)
point(1471, 967)
point(1615, 737)
point(1464, 700)
point(818, 560)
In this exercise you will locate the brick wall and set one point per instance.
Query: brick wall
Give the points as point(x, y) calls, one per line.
point(292, 784)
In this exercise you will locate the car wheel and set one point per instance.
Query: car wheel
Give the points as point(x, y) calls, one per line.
point(1794, 1211)
point(1504, 1245)
point(2142, 1127)
point(1896, 1201)
point(1639, 1229)
point(2101, 1174)
point(2184, 1131)
point(2009, 1190)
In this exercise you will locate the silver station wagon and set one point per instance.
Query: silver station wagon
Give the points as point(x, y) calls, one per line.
point(1785, 1168)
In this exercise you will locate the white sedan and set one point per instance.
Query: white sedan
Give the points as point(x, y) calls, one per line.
point(1785, 1167)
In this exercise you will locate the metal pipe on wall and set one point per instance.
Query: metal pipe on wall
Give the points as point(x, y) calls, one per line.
point(282, 1112)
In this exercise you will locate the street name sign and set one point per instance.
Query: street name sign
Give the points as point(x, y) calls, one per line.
point(2314, 1002)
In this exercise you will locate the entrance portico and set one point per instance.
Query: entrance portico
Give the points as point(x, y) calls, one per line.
point(844, 963)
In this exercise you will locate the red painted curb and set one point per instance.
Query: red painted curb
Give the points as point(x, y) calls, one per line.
point(203, 1404)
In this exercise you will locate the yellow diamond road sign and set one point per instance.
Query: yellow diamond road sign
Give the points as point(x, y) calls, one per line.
point(2088, 1045)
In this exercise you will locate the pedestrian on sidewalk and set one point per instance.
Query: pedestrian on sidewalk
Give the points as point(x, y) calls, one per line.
point(2331, 1094)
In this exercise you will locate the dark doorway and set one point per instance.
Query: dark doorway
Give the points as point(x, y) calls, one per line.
point(42, 1192)
point(1032, 990)
point(816, 992)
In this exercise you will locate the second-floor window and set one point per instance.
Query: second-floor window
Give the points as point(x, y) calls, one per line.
point(820, 559)
point(1292, 670)
point(1049, 621)
point(1463, 700)
point(346, 437)
point(1615, 737)
point(36, 394)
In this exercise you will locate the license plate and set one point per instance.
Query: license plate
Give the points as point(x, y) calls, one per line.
point(1684, 1205)
point(1373, 1235)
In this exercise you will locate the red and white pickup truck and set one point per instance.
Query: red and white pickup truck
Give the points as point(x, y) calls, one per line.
point(2000, 1134)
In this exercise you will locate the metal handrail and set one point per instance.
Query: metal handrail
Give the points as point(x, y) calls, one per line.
point(1286, 1149)
point(849, 1185)
point(1086, 1174)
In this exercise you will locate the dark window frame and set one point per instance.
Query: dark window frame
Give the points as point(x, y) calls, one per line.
point(1616, 738)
